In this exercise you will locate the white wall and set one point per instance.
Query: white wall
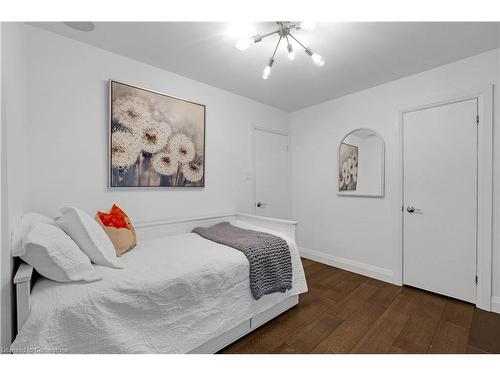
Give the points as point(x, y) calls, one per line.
point(67, 117)
point(64, 156)
point(363, 233)
point(14, 158)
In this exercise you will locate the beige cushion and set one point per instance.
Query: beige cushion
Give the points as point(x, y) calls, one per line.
point(123, 238)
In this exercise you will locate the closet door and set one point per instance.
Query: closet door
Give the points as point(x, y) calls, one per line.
point(271, 174)
point(440, 199)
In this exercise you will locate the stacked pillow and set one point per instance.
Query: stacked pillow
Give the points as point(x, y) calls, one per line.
point(88, 235)
point(63, 249)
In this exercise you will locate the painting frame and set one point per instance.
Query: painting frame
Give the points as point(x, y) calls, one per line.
point(111, 82)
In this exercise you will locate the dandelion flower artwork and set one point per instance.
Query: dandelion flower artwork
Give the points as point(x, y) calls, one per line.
point(181, 147)
point(345, 169)
point(154, 136)
point(165, 164)
point(355, 174)
point(354, 158)
point(348, 167)
point(156, 140)
point(347, 180)
point(131, 111)
point(125, 149)
point(192, 171)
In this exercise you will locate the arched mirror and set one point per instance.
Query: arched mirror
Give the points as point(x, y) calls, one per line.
point(361, 164)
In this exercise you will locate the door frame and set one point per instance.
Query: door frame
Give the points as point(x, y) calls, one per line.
point(484, 228)
point(253, 128)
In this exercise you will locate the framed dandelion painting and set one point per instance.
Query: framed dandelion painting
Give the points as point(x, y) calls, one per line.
point(156, 140)
point(348, 167)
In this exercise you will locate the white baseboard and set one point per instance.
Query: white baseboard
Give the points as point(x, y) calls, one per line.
point(495, 304)
point(369, 270)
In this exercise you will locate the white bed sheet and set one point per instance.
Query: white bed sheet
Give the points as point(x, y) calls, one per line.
point(174, 294)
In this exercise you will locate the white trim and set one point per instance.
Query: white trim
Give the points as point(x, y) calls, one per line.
point(495, 304)
point(170, 227)
point(253, 128)
point(154, 223)
point(484, 95)
point(268, 219)
point(365, 269)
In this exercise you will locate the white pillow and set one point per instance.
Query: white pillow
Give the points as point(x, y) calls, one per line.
point(89, 236)
point(26, 224)
point(56, 256)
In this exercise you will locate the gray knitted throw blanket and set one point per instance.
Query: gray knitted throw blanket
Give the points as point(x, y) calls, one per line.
point(268, 255)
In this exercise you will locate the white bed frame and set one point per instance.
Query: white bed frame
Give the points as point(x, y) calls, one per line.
point(162, 228)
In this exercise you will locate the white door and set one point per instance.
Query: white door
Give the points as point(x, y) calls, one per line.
point(440, 199)
point(271, 174)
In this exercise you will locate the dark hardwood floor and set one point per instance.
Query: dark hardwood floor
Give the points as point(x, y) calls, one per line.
point(344, 312)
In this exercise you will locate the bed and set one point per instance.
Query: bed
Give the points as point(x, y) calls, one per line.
point(177, 293)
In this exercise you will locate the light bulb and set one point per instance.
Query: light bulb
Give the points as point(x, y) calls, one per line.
point(308, 25)
point(266, 72)
point(244, 43)
point(318, 60)
point(291, 52)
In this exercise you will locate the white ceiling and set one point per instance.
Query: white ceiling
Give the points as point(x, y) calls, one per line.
point(358, 55)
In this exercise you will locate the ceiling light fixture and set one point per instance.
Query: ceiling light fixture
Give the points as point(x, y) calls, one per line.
point(284, 31)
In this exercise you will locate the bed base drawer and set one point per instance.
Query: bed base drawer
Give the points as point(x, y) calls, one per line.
point(273, 312)
point(242, 329)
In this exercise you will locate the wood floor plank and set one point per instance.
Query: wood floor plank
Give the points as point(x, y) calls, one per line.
point(348, 334)
point(384, 295)
point(310, 269)
point(306, 339)
point(342, 289)
point(485, 331)
point(417, 336)
point(415, 294)
point(449, 339)
point(326, 277)
point(345, 312)
point(396, 350)
point(473, 350)
point(459, 313)
point(278, 331)
point(353, 301)
point(332, 280)
point(286, 349)
point(381, 336)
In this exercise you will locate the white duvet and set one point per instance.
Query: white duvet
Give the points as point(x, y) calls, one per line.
point(174, 294)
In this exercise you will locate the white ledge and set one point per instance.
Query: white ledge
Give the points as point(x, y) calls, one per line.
point(268, 219)
point(154, 223)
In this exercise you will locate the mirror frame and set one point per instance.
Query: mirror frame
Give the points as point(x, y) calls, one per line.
point(382, 174)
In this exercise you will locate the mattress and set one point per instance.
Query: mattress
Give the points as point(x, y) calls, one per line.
point(172, 295)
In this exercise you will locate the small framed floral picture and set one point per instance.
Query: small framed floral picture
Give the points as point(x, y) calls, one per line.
point(156, 140)
point(348, 167)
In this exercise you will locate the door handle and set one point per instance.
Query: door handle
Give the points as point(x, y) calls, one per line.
point(412, 210)
point(260, 204)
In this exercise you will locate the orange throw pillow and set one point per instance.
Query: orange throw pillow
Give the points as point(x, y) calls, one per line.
point(119, 229)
